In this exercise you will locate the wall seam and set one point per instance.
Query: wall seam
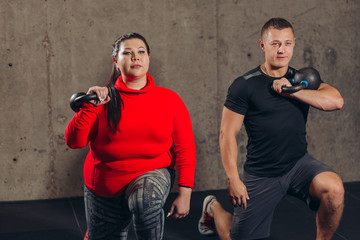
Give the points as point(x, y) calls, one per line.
point(52, 150)
point(218, 109)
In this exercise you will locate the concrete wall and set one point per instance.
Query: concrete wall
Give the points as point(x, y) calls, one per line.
point(53, 48)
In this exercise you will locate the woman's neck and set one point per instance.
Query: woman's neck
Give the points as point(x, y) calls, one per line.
point(135, 83)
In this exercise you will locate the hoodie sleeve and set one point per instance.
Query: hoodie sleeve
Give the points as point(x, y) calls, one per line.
point(82, 127)
point(183, 137)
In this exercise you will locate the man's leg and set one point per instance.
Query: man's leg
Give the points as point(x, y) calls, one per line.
point(322, 189)
point(253, 222)
point(328, 188)
point(222, 219)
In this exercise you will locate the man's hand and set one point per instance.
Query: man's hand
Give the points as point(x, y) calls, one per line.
point(278, 84)
point(237, 193)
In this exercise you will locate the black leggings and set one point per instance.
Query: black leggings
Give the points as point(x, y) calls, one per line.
point(145, 196)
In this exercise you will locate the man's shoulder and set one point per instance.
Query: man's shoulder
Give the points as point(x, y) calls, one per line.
point(241, 83)
point(291, 71)
point(256, 73)
point(250, 74)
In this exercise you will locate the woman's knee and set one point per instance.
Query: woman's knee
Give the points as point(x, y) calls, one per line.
point(150, 197)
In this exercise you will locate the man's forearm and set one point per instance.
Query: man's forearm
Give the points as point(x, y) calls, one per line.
point(326, 98)
point(229, 153)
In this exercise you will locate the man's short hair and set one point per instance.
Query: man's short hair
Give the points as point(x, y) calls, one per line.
point(276, 23)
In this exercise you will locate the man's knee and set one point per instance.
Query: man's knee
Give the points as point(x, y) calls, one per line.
point(329, 188)
point(334, 197)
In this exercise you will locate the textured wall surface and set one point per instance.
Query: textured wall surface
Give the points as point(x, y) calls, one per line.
point(51, 49)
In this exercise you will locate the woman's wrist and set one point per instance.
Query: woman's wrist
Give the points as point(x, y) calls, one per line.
point(185, 191)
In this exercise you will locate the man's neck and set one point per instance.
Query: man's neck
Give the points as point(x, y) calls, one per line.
point(272, 71)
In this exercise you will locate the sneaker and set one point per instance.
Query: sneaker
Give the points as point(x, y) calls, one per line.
point(206, 224)
point(86, 235)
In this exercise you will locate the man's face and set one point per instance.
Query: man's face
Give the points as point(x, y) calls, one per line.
point(278, 46)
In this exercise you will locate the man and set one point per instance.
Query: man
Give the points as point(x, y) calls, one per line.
point(277, 160)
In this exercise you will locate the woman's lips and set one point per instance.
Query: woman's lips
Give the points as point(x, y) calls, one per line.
point(136, 66)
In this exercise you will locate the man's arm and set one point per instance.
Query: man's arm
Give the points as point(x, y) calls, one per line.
point(230, 126)
point(326, 98)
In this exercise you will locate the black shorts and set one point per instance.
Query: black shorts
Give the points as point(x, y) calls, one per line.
point(265, 193)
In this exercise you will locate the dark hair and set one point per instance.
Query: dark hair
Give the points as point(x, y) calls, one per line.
point(116, 103)
point(276, 23)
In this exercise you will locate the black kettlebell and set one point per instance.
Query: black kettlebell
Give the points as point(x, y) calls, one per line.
point(77, 100)
point(305, 78)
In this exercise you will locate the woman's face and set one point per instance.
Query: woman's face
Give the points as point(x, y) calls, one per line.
point(133, 59)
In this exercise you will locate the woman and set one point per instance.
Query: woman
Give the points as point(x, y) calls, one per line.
point(136, 130)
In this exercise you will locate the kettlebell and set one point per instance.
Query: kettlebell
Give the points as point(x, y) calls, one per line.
point(305, 78)
point(77, 100)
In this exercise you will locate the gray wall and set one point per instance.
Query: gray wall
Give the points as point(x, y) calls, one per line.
point(52, 48)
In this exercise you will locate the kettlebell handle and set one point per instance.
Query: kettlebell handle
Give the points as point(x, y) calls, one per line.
point(294, 88)
point(77, 100)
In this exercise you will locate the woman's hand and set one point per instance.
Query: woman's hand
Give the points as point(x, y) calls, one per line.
point(102, 94)
point(181, 206)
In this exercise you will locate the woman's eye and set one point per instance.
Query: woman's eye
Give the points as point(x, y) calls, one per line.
point(126, 53)
point(142, 52)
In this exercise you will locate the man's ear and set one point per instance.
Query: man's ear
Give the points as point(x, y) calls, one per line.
point(262, 45)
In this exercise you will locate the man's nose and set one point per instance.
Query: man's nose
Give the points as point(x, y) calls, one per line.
point(281, 49)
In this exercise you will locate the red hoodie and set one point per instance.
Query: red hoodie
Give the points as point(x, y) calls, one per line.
point(153, 120)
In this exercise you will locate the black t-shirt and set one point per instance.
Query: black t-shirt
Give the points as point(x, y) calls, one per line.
point(275, 125)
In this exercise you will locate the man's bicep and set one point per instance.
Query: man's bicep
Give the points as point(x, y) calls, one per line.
point(231, 121)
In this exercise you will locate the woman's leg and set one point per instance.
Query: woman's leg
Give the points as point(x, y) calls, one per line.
point(106, 218)
point(146, 197)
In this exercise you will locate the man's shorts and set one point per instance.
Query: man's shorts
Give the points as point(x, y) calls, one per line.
point(265, 193)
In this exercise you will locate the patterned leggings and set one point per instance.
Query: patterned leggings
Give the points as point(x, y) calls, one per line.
point(109, 218)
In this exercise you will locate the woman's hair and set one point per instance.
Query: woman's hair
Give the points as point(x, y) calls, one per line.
point(276, 23)
point(116, 103)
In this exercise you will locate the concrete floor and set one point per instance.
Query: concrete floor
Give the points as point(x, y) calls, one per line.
point(65, 219)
